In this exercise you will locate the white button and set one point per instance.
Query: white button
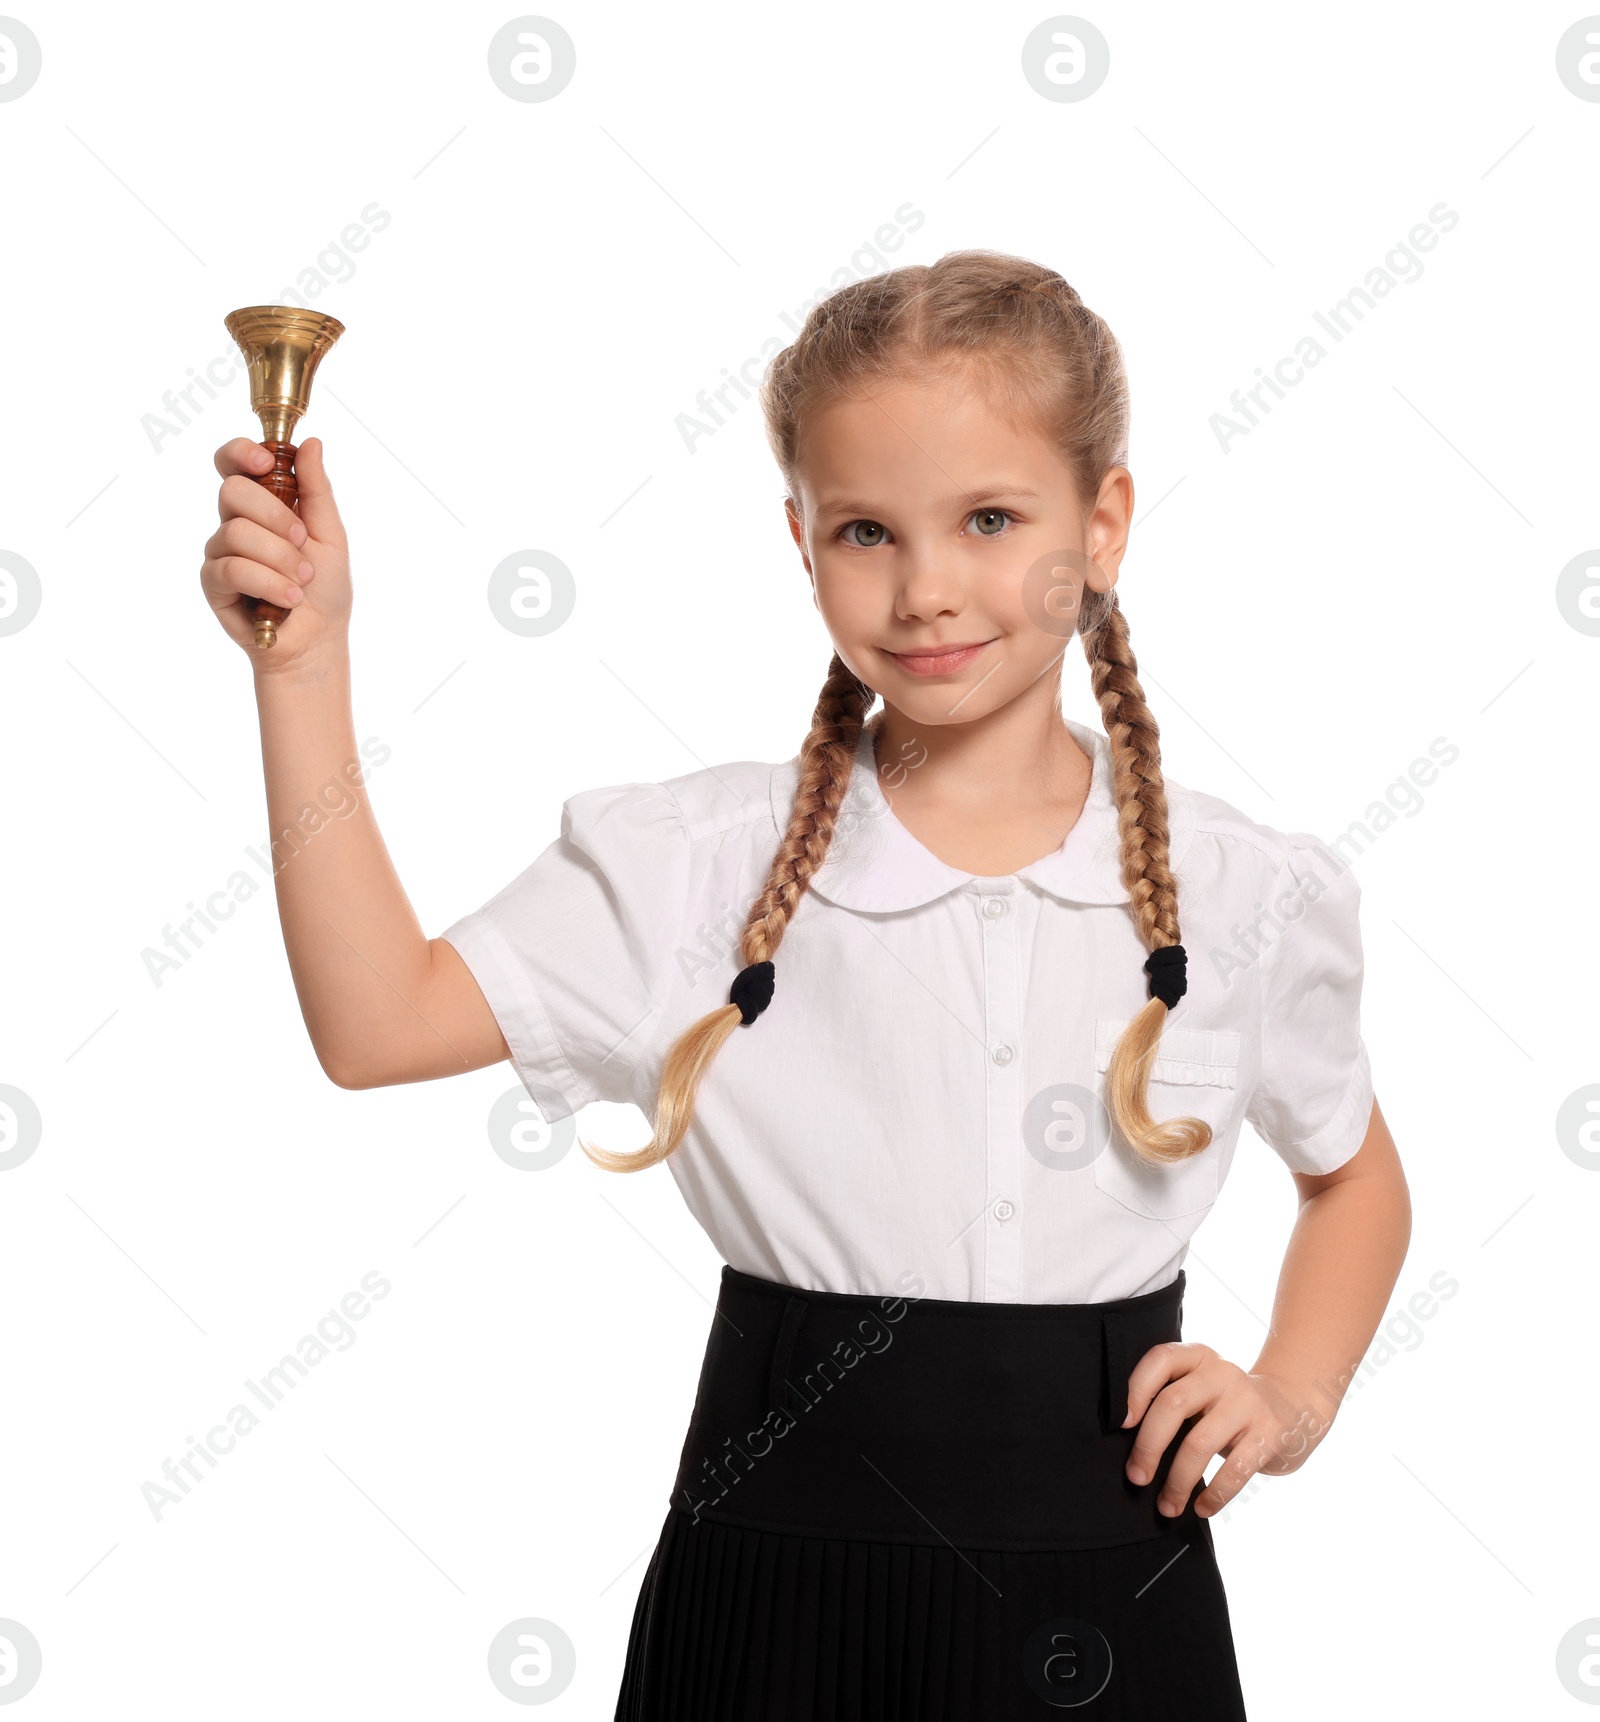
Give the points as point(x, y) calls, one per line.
point(1003, 1054)
point(994, 907)
point(1003, 1210)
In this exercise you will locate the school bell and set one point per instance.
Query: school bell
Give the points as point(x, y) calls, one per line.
point(283, 346)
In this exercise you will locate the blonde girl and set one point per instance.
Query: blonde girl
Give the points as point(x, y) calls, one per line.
point(947, 1028)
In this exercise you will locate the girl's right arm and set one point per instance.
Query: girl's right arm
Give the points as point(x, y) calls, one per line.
point(383, 1003)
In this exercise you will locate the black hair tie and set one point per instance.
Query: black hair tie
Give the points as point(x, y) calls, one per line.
point(1168, 969)
point(752, 990)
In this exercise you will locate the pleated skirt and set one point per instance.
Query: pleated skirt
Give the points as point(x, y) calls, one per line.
point(898, 1510)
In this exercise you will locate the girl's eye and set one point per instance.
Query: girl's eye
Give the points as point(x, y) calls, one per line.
point(991, 521)
point(864, 534)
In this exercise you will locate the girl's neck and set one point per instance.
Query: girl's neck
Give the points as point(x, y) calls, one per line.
point(991, 796)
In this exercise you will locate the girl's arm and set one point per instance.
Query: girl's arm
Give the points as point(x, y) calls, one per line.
point(383, 1003)
point(1342, 1260)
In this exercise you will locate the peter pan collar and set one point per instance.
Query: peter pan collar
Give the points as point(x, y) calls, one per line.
point(875, 864)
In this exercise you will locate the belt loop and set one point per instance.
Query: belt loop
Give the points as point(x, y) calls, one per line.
point(1125, 1339)
point(794, 1313)
point(1118, 1357)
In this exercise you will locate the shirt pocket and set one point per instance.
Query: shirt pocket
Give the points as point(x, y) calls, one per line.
point(1195, 1075)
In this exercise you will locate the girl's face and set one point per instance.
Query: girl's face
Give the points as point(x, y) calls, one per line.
point(947, 545)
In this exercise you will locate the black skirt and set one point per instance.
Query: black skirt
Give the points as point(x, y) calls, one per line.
point(891, 1509)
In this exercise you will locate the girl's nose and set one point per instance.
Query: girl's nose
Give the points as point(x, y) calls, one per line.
point(929, 584)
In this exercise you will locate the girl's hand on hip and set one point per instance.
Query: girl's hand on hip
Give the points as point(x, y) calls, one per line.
point(1257, 1422)
point(263, 549)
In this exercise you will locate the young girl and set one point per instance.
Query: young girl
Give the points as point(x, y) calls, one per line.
point(947, 1028)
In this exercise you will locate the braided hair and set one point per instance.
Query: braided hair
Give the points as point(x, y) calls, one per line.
point(1050, 361)
point(825, 766)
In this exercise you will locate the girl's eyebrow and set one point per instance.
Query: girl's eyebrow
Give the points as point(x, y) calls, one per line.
point(973, 498)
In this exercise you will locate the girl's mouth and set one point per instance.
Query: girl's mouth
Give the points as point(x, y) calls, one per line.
point(938, 660)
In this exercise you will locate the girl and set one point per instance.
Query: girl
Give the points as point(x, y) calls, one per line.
point(916, 1020)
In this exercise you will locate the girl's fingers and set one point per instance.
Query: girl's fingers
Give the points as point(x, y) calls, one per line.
point(1241, 1463)
point(1195, 1451)
point(1156, 1433)
point(226, 578)
point(1188, 1392)
point(317, 507)
point(1159, 1365)
point(241, 537)
point(243, 498)
point(241, 455)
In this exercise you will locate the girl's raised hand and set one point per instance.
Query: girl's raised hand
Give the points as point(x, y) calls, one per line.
point(1257, 1422)
point(262, 549)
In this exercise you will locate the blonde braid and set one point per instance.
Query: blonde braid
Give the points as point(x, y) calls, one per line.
point(1141, 799)
point(826, 761)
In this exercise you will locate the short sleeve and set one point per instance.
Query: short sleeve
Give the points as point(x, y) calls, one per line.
point(575, 955)
point(1313, 1100)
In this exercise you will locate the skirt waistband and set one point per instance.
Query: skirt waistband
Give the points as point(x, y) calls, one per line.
point(922, 1420)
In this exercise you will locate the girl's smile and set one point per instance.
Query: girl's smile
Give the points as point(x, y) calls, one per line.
point(937, 660)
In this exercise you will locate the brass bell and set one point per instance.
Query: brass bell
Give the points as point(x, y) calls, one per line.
point(283, 346)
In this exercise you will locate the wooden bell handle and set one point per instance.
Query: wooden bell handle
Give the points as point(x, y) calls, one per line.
point(282, 483)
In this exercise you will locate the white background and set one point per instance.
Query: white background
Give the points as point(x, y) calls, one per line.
point(1372, 567)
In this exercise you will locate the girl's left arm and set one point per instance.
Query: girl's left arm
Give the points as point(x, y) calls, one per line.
point(1343, 1257)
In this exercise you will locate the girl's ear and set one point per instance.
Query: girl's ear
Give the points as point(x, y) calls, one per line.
point(1099, 579)
point(1109, 523)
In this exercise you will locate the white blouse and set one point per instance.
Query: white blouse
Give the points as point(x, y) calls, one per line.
point(925, 1093)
